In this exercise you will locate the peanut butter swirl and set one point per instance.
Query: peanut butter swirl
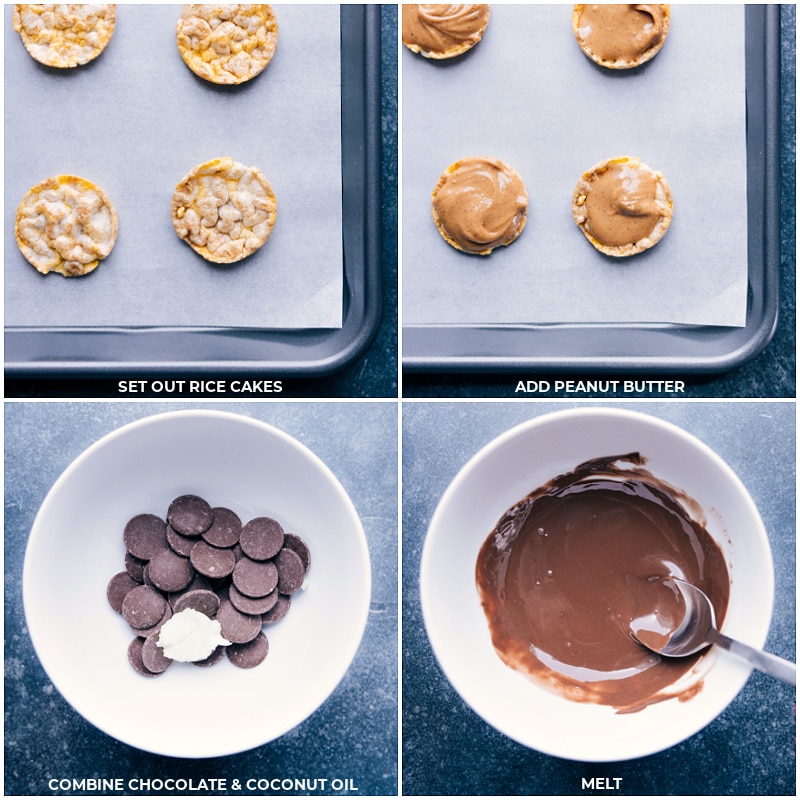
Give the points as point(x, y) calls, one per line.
point(479, 204)
point(622, 206)
point(443, 31)
point(620, 36)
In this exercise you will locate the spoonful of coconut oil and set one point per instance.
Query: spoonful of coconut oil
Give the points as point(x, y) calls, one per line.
point(691, 625)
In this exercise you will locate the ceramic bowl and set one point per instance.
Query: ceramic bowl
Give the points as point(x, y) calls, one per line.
point(502, 474)
point(76, 546)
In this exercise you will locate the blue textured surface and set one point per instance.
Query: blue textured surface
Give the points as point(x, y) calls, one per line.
point(352, 736)
point(448, 749)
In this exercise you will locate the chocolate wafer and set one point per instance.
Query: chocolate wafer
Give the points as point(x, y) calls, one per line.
point(145, 535)
point(261, 538)
point(203, 558)
point(255, 578)
point(213, 562)
point(169, 571)
point(117, 588)
point(190, 515)
point(250, 654)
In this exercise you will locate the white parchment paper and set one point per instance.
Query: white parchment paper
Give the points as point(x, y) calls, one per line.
point(135, 121)
point(528, 95)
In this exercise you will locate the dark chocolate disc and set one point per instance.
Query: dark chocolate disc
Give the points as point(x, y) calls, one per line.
point(146, 577)
point(291, 572)
point(169, 571)
point(143, 607)
point(217, 654)
point(190, 515)
point(237, 627)
point(145, 632)
point(250, 654)
point(278, 611)
point(203, 600)
point(225, 529)
point(181, 544)
point(213, 562)
point(261, 538)
point(294, 542)
point(251, 605)
point(153, 656)
point(145, 535)
point(135, 658)
point(255, 578)
point(135, 567)
point(198, 582)
point(117, 588)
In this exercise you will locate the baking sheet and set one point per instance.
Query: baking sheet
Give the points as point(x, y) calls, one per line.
point(534, 100)
point(135, 121)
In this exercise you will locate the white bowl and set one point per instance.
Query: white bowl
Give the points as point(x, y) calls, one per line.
point(503, 473)
point(76, 546)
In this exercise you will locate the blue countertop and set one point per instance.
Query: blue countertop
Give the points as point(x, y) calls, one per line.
point(353, 736)
point(449, 750)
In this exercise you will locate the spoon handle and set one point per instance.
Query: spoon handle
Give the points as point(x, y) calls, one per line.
point(766, 662)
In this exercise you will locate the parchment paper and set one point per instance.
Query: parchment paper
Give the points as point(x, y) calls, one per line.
point(135, 121)
point(528, 95)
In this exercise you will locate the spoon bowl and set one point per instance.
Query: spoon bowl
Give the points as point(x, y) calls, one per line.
point(692, 626)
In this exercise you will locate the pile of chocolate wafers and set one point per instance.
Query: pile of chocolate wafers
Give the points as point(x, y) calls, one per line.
point(205, 559)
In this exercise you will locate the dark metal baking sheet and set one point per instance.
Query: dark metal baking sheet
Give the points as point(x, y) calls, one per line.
point(74, 352)
point(651, 348)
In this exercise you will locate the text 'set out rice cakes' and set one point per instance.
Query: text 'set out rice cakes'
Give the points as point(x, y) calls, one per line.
point(64, 35)
point(227, 44)
point(66, 224)
point(224, 210)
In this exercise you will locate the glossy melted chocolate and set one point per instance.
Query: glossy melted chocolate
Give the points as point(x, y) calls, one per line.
point(569, 568)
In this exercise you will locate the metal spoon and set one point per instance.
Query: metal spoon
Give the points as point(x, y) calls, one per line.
point(698, 629)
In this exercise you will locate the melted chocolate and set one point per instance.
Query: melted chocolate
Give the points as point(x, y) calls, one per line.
point(568, 569)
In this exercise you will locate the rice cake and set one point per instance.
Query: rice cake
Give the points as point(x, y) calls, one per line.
point(444, 31)
point(66, 224)
point(620, 36)
point(64, 35)
point(479, 204)
point(622, 206)
point(224, 210)
point(227, 44)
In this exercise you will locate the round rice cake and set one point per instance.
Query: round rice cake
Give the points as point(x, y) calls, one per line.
point(227, 44)
point(224, 210)
point(622, 206)
point(66, 224)
point(620, 36)
point(444, 31)
point(479, 204)
point(64, 35)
